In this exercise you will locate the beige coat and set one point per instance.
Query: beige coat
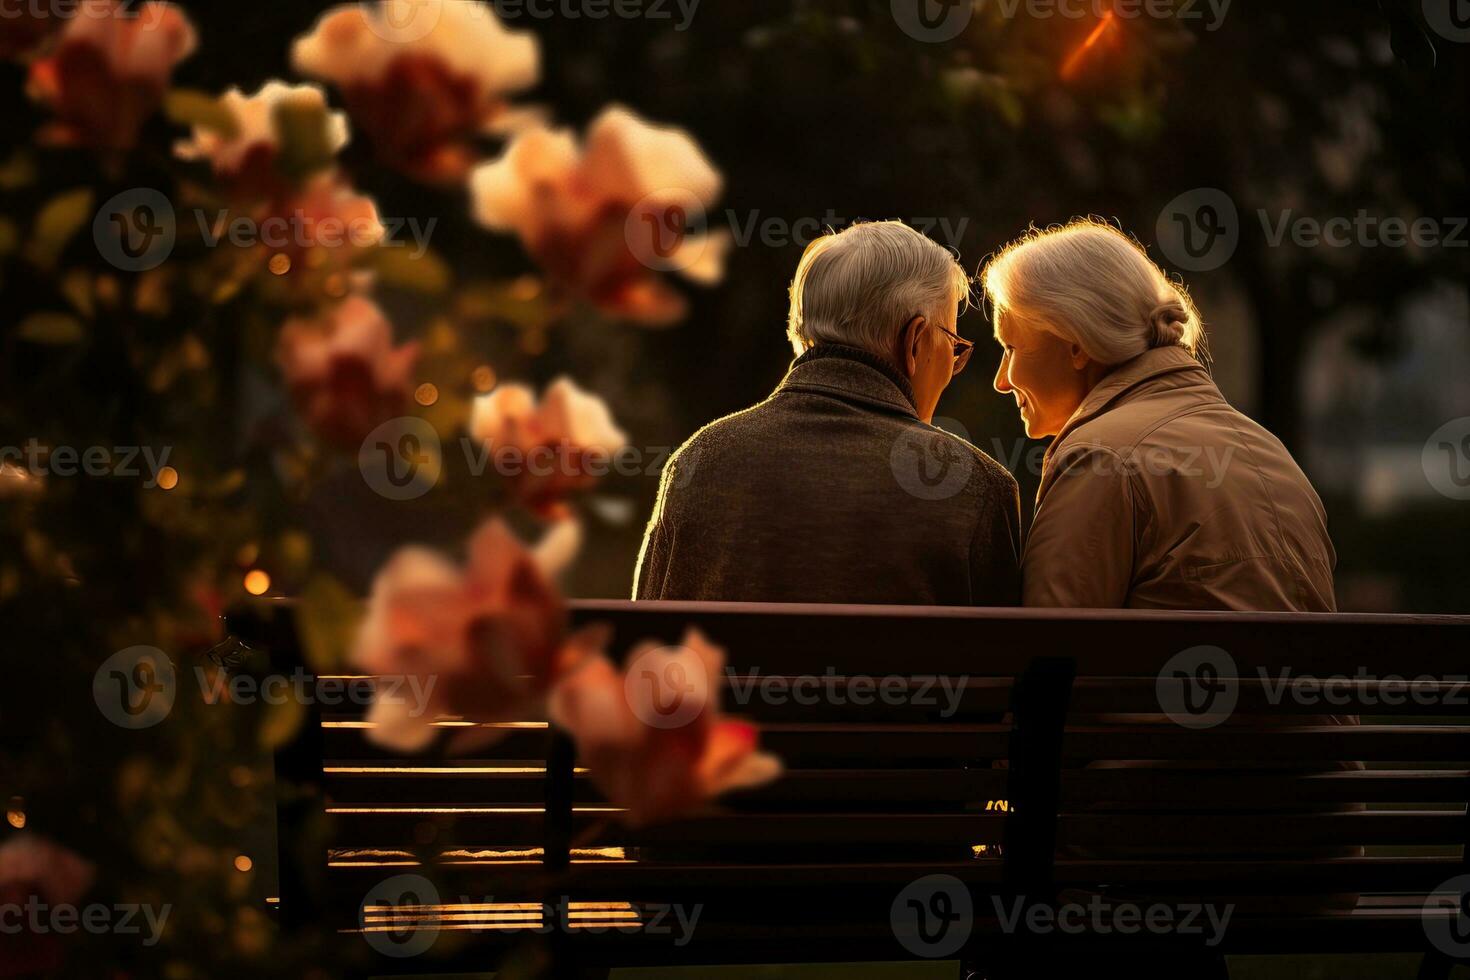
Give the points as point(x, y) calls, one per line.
point(1158, 494)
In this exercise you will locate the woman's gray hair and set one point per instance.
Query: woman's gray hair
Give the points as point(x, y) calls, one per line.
point(860, 286)
point(1090, 284)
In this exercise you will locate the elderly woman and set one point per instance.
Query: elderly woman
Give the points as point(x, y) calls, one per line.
point(1156, 493)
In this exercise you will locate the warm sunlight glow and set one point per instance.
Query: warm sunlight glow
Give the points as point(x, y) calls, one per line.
point(1074, 61)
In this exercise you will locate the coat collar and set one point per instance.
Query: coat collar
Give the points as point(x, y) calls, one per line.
point(1175, 364)
point(850, 373)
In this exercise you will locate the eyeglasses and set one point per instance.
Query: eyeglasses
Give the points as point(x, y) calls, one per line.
point(962, 349)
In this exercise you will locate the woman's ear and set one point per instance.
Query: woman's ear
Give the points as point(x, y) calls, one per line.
point(1080, 360)
point(908, 350)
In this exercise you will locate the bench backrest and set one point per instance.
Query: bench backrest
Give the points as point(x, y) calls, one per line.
point(1025, 753)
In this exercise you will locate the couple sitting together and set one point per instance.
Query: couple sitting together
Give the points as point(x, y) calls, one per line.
point(1155, 492)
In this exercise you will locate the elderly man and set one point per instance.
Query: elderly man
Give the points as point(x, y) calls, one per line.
point(837, 488)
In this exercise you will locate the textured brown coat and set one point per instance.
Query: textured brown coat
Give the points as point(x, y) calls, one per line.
point(1159, 495)
point(831, 490)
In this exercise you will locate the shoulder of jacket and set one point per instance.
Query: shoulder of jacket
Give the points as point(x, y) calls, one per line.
point(989, 473)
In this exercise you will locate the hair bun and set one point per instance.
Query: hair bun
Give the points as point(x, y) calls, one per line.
point(1168, 322)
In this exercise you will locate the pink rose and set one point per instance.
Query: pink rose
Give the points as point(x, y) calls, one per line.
point(324, 227)
point(549, 450)
point(605, 218)
point(423, 78)
point(108, 71)
point(344, 373)
point(653, 739)
point(484, 641)
point(33, 867)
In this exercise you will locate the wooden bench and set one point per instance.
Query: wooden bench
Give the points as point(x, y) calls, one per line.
point(880, 843)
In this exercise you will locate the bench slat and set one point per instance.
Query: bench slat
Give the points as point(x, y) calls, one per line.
point(1188, 832)
point(879, 640)
point(470, 783)
point(799, 744)
point(648, 880)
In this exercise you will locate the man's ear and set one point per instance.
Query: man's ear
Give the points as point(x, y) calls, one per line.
point(908, 345)
point(1080, 359)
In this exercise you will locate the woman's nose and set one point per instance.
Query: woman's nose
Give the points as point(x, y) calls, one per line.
point(1002, 383)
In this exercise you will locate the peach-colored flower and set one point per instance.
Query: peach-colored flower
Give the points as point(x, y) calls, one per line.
point(108, 71)
point(655, 764)
point(603, 219)
point(246, 160)
point(484, 641)
point(32, 867)
point(326, 217)
point(423, 78)
point(549, 450)
point(343, 370)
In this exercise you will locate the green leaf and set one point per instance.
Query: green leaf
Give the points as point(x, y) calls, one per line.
point(327, 618)
point(57, 221)
point(51, 328)
point(305, 139)
point(426, 273)
point(17, 172)
point(191, 107)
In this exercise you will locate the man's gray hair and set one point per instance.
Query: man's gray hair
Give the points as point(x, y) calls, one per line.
point(860, 286)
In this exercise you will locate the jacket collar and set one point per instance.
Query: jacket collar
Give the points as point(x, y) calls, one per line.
point(1172, 367)
point(850, 373)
